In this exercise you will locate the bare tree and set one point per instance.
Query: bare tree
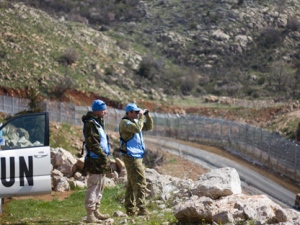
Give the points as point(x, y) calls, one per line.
point(281, 78)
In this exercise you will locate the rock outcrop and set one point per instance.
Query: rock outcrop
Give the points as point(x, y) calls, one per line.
point(216, 197)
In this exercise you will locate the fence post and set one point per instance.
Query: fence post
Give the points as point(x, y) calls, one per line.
point(60, 111)
point(13, 105)
point(295, 157)
point(170, 125)
point(277, 163)
point(212, 130)
point(239, 137)
point(177, 116)
point(269, 156)
point(195, 128)
point(186, 128)
point(203, 126)
point(221, 132)
point(178, 127)
point(116, 117)
point(254, 140)
point(286, 159)
point(230, 135)
point(180, 152)
point(156, 127)
point(3, 103)
point(75, 122)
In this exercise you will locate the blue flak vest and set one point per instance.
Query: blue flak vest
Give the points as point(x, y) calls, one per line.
point(135, 146)
point(104, 142)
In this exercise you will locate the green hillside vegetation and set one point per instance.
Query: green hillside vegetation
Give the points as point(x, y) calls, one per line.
point(245, 49)
point(169, 52)
point(54, 56)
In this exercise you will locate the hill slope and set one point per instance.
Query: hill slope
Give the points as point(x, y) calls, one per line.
point(241, 48)
point(55, 56)
point(159, 57)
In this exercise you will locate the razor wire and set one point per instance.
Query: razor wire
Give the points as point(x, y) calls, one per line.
point(254, 144)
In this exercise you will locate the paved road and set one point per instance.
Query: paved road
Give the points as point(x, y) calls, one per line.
point(250, 179)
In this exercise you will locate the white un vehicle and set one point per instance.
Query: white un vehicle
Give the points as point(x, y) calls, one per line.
point(25, 162)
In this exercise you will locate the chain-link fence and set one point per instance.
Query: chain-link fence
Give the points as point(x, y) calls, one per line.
point(251, 143)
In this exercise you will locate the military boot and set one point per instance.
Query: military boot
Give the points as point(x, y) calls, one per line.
point(91, 217)
point(130, 213)
point(143, 212)
point(101, 216)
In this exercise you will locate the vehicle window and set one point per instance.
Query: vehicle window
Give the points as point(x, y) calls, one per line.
point(23, 132)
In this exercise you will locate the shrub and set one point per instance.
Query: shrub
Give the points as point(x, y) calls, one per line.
point(270, 37)
point(33, 95)
point(240, 2)
point(193, 25)
point(3, 54)
point(59, 86)
point(204, 80)
point(78, 18)
point(189, 83)
point(261, 80)
point(58, 6)
point(98, 18)
point(109, 71)
point(149, 67)
point(123, 44)
point(293, 23)
point(69, 57)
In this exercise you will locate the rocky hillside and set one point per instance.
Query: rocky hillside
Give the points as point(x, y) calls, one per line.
point(161, 48)
point(231, 47)
point(165, 54)
point(55, 56)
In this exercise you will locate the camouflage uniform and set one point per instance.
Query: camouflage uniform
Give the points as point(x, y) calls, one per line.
point(96, 167)
point(136, 186)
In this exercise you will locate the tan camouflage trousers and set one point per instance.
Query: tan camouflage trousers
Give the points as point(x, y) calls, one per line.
point(95, 187)
point(136, 187)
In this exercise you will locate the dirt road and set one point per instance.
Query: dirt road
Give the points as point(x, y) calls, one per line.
point(254, 181)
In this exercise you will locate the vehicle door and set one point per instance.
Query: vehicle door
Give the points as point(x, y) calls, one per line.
point(25, 163)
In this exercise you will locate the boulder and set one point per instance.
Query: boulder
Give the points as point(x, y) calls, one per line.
point(220, 35)
point(211, 98)
point(64, 161)
point(164, 185)
point(231, 209)
point(217, 183)
point(62, 185)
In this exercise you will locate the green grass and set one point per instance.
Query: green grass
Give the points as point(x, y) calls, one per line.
point(290, 128)
point(71, 210)
point(31, 211)
point(172, 161)
point(190, 101)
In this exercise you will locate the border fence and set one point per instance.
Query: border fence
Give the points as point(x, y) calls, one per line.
point(251, 143)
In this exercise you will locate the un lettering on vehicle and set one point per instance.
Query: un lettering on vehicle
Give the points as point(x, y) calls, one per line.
point(16, 167)
point(25, 171)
